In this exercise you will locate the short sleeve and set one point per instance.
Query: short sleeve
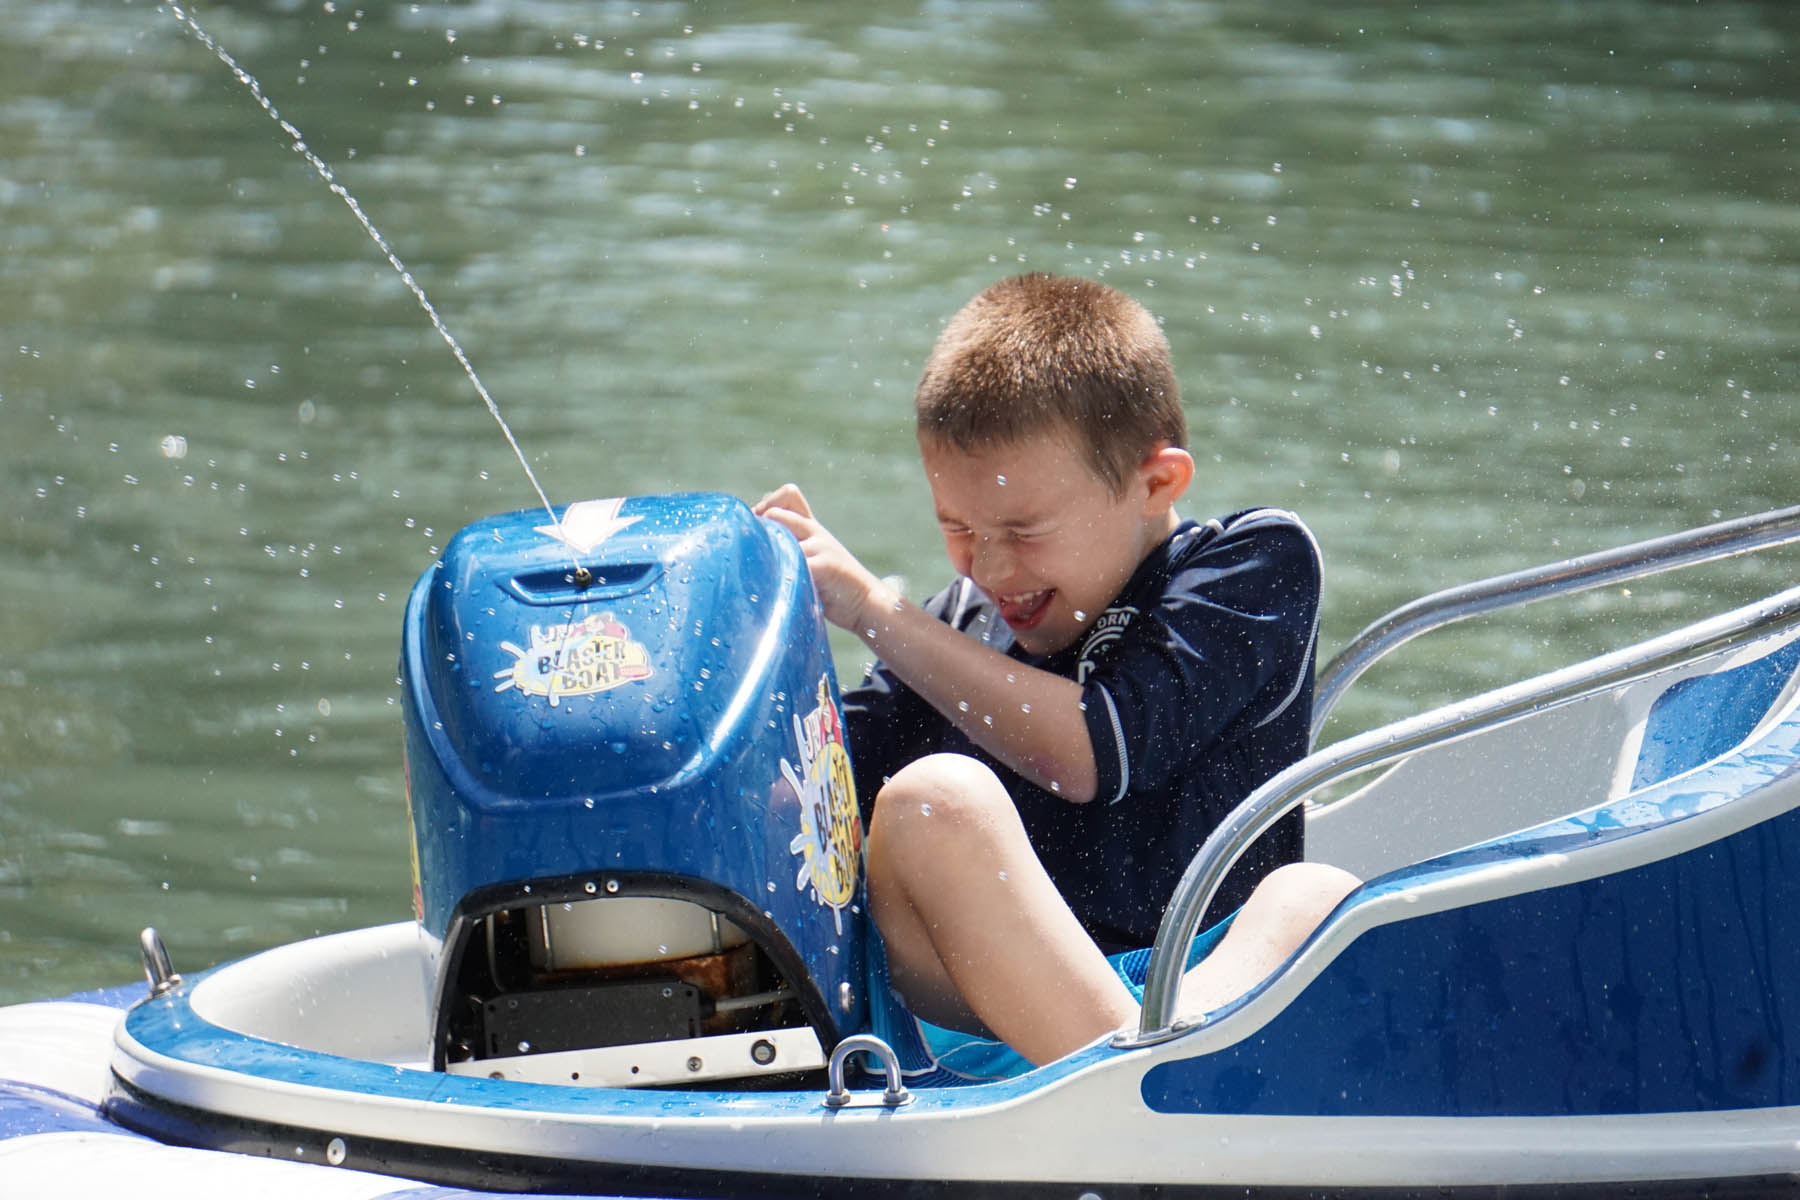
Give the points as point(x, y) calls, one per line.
point(1226, 645)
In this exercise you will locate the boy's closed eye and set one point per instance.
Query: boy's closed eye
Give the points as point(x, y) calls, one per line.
point(1010, 533)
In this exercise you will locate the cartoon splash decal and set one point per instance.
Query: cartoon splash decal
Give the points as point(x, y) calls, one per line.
point(587, 523)
point(594, 654)
point(830, 837)
point(412, 838)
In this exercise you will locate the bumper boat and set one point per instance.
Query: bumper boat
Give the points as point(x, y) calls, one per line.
point(639, 964)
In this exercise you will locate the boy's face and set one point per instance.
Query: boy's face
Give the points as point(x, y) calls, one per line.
point(1040, 533)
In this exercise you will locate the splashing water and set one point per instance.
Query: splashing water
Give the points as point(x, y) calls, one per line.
point(381, 243)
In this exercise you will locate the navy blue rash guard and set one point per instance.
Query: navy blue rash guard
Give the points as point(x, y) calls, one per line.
point(1197, 684)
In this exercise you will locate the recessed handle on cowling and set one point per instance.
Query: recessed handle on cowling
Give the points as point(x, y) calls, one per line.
point(581, 584)
point(865, 1043)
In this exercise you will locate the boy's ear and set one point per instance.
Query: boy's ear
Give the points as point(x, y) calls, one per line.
point(1165, 472)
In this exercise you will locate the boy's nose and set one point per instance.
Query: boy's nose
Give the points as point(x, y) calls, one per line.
point(990, 565)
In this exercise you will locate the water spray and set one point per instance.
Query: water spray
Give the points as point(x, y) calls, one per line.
point(581, 576)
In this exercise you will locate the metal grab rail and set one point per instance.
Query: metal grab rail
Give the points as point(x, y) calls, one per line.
point(1707, 544)
point(1276, 798)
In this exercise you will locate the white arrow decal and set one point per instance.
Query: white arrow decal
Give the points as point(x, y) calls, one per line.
point(587, 523)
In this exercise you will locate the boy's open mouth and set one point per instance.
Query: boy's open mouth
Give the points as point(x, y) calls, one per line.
point(1025, 609)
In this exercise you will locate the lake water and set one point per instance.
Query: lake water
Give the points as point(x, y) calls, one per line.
point(1470, 286)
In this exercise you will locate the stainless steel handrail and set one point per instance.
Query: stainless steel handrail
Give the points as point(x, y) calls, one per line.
point(1276, 798)
point(1708, 543)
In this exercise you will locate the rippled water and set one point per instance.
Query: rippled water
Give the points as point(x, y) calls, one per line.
point(1470, 286)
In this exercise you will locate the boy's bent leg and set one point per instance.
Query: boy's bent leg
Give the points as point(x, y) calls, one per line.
point(973, 925)
point(1287, 905)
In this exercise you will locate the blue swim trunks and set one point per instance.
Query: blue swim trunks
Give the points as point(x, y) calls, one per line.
point(932, 1056)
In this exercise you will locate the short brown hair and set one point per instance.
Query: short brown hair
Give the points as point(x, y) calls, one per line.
point(1037, 352)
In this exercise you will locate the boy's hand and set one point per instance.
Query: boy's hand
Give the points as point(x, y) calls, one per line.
point(1028, 718)
point(844, 585)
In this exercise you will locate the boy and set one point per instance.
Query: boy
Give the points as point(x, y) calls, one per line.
point(1049, 740)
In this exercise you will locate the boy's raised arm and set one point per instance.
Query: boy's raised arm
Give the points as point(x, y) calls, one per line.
point(1030, 719)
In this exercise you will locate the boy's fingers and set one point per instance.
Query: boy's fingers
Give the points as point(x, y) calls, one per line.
point(786, 496)
point(798, 524)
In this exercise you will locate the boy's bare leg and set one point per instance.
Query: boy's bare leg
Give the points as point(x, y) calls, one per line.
point(978, 938)
point(1287, 905)
point(973, 926)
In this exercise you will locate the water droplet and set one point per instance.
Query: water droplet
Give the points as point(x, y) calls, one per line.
point(1000, 479)
point(925, 810)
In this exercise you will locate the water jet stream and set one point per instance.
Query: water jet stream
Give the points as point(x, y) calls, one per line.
point(381, 243)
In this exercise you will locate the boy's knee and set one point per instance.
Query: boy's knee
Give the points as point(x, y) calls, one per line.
point(934, 820)
point(939, 806)
point(949, 779)
point(1305, 892)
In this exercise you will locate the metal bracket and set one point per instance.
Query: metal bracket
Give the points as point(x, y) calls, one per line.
point(838, 1096)
point(157, 968)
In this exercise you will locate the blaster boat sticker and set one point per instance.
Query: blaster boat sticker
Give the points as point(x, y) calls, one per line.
point(594, 654)
point(830, 837)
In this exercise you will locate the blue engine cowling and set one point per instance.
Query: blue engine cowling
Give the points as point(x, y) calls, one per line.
point(637, 704)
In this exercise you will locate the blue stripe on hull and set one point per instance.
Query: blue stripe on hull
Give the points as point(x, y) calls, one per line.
point(1653, 990)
